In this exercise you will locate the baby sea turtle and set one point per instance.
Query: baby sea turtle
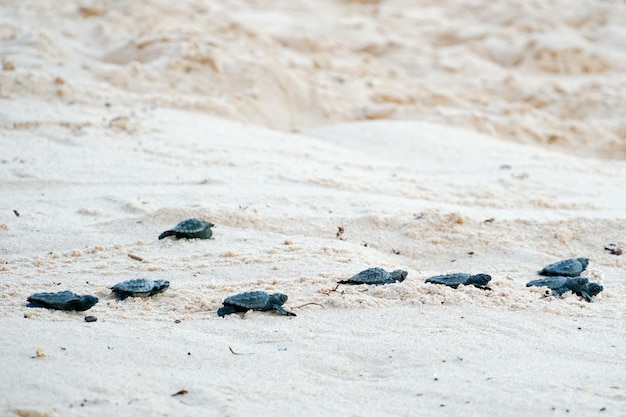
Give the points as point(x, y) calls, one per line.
point(591, 289)
point(141, 287)
point(560, 285)
point(190, 229)
point(454, 280)
point(376, 276)
point(254, 300)
point(565, 268)
point(64, 300)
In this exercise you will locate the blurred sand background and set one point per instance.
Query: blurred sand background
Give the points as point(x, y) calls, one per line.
point(442, 136)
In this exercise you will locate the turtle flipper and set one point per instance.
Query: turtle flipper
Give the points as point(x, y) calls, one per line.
point(36, 304)
point(223, 311)
point(586, 296)
point(441, 280)
point(560, 290)
point(121, 295)
point(283, 311)
point(553, 283)
point(166, 234)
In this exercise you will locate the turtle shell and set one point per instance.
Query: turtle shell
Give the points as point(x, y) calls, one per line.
point(551, 282)
point(376, 276)
point(190, 229)
point(141, 287)
point(63, 300)
point(460, 278)
point(561, 285)
point(451, 280)
point(566, 268)
point(254, 300)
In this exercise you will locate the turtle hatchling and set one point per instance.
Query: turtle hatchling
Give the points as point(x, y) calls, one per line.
point(64, 300)
point(254, 300)
point(590, 290)
point(141, 287)
point(190, 229)
point(560, 285)
point(565, 268)
point(376, 276)
point(454, 280)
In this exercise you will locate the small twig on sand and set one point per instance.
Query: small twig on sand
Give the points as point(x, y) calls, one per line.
point(311, 303)
point(235, 353)
point(328, 291)
point(135, 257)
point(181, 392)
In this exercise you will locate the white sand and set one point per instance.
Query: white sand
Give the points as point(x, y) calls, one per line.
point(498, 146)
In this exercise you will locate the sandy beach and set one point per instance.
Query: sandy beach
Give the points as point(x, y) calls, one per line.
point(321, 138)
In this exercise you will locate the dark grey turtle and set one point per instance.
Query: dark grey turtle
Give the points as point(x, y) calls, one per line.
point(454, 280)
point(64, 300)
point(560, 285)
point(141, 287)
point(565, 268)
point(190, 229)
point(254, 300)
point(590, 290)
point(376, 276)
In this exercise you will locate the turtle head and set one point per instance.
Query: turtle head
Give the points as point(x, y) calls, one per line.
point(584, 262)
point(279, 298)
point(479, 279)
point(398, 275)
point(594, 289)
point(577, 284)
point(82, 303)
point(162, 283)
